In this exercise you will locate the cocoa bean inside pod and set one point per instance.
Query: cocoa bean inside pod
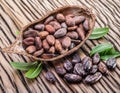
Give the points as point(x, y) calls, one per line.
point(70, 22)
point(63, 25)
point(50, 18)
point(43, 34)
point(39, 52)
point(72, 45)
point(94, 69)
point(38, 43)
point(60, 32)
point(66, 42)
point(72, 28)
point(47, 56)
point(45, 45)
point(52, 50)
point(50, 28)
point(28, 41)
point(72, 35)
point(58, 45)
point(81, 33)
point(31, 49)
point(79, 19)
point(55, 25)
point(60, 17)
point(50, 39)
point(39, 27)
point(86, 25)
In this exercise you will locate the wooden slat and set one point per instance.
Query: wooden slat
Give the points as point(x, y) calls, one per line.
point(17, 13)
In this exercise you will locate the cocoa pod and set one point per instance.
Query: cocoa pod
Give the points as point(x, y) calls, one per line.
point(58, 46)
point(45, 45)
point(81, 33)
point(50, 18)
point(60, 17)
point(60, 32)
point(86, 25)
point(63, 25)
point(72, 28)
point(28, 41)
point(52, 50)
point(30, 33)
point(70, 22)
point(55, 25)
point(66, 42)
point(43, 34)
point(38, 53)
point(72, 35)
point(38, 43)
point(50, 29)
point(69, 16)
point(79, 19)
point(50, 39)
point(39, 27)
point(31, 49)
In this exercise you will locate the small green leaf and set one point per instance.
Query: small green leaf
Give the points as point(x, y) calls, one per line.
point(22, 66)
point(100, 48)
point(99, 32)
point(34, 71)
point(17, 32)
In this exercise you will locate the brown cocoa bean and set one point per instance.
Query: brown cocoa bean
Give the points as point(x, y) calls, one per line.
point(102, 68)
point(43, 34)
point(96, 59)
point(52, 50)
point(66, 42)
point(72, 28)
point(70, 22)
point(58, 46)
point(50, 77)
point(31, 49)
point(60, 17)
point(50, 29)
point(50, 18)
point(38, 43)
point(76, 59)
point(94, 69)
point(111, 63)
point(60, 32)
point(55, 25)
point(60, 70)
point(38, 53)
point(30, 33)
point(81, 33)
point(45, 45)
point(72, 35)
point(68, 65)
point(63, 25)
point(50, 39)
point(39, 27)
point(47, 56)
point(28, 41)
point(86, 25)
point(79, 19)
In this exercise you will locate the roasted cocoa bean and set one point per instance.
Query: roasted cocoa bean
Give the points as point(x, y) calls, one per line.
point(43, 34)
point(102, 68)
point(81, 33)
point(38, 43)
point(45, 45)
point(60, 70)
point(76, 58)
point(66, 42)
point(72, 28)
point(90, 79)
point(60, 32)
point(52, 50)
point(58, 46)
point(94, 69)
point(96, 58)
point(50, 39)
point(86, 25)
point(55, 25)
point(50, 77)
point(48, 56)
point(78, 69)
point(111, 63)
point(39, 27)
point(30, 33)
point(72, 45)
point(28, 41)
point(31, 49)
point(50, 29)
point(50, 18)
point(68, 65)
point(72, 35)
point(72, 78)
point(63, 25)
point(39, 52)
point(70, 22)
point(79, 19)
point(60, 17)
point(87, 63)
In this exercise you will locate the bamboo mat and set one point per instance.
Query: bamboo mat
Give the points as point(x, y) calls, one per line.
point(17, 13)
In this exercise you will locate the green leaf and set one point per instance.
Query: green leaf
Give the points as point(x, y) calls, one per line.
point(17, 32)
point(22, 66)
point(100, 48)
point(99, 32)
point(34, 71)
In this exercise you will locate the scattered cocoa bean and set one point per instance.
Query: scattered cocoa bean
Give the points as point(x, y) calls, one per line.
point(50, 18)
point(68, 65)
point(94, 69)
point(50, 77)
point(60, 70)
point(102, 68)
point(76, 59)
point(111, 63)
point(96, 58)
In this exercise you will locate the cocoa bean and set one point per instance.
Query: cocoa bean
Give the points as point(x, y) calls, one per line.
point(72, 28)
point(39, 27)
point(111, 63)
point(45, 45)
point(60, 70)
point(63, 25)
point(72, 35)
point(50, 29)
point(102, 68)
point(38, 43)
point(39, 52)
point(52, 50)
point(58, 46)
point(86, 25)
point(96, 58)
point(94, 69)
point(79, 19)
point(31, 49)
point(60, 32)
point(60, 17)
point(43, 34)
point(81, 33)
point(68, 65)
point(28, 41)
point(76, 58)
point(55, 25)
point(30, 33)
point(70, 22)
point(50, 18)
point(50, 39)
point(66, 42)
point(50, 77)
point(48, 56)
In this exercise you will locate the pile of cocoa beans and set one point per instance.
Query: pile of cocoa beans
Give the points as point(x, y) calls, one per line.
point(89, 70)
point(55, 35)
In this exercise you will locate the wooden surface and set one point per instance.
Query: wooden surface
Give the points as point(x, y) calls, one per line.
point(17, 13)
